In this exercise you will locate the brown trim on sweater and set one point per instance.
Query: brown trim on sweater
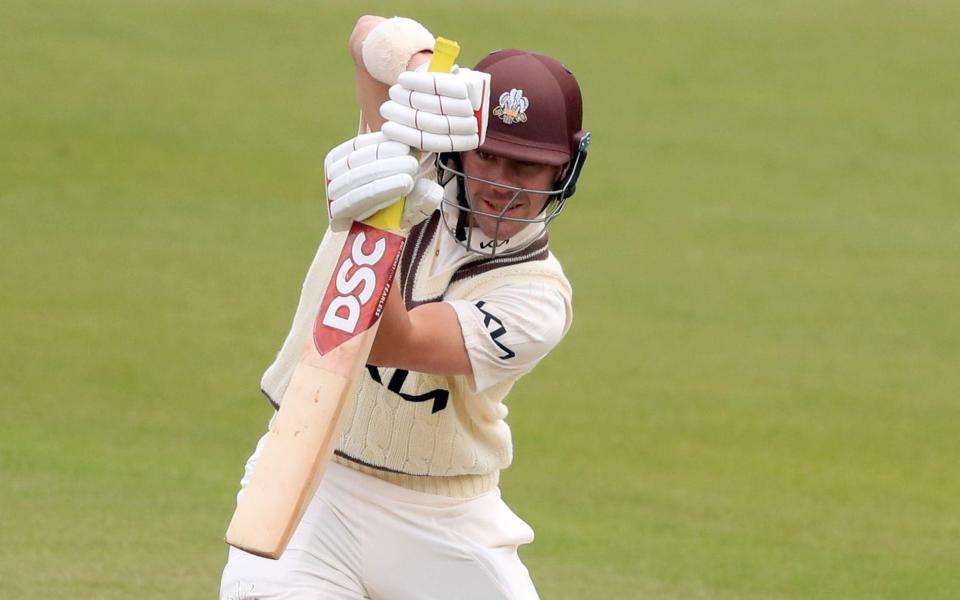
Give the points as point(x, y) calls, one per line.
point(364, 463)
point(451, 486)
point(418, 241)
point(536, 251)
point(421, 238)
point(276, 405)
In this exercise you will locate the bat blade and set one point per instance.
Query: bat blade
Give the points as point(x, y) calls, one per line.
point(292, 461)
point(303, 433)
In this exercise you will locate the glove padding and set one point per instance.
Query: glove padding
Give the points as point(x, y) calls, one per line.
point(438, 112)
point(370, 172)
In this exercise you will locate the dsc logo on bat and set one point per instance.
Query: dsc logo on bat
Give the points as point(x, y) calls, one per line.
point(344, 311)
point(356, 293)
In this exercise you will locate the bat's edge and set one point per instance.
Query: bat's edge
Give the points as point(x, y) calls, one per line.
point(266, 516)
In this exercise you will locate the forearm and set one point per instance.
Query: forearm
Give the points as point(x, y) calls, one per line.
point(427, 339)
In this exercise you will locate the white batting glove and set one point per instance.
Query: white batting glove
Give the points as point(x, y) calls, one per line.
point(420, 203)
point(370, 172)
point(438, 112)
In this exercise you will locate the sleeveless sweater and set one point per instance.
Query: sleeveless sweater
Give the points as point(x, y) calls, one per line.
point(430, 433)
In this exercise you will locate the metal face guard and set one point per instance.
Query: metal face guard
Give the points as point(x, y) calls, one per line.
point(461, 208)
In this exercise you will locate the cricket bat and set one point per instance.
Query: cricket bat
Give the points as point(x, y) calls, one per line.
point(304, 431)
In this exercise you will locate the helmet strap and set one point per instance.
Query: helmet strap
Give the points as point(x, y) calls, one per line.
point(579, 159)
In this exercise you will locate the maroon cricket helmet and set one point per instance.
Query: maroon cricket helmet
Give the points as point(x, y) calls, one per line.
point(536, 110)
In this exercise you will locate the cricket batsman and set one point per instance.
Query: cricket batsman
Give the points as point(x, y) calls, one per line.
point(486, 158)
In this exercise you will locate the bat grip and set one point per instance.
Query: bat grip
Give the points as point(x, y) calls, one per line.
point(445, 53)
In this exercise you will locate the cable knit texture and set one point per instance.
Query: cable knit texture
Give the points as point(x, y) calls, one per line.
point(456, 450)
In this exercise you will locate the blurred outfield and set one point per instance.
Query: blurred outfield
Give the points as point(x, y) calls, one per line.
point(760, 398)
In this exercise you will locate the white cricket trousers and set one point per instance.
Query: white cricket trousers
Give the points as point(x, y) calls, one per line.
point(362, 537)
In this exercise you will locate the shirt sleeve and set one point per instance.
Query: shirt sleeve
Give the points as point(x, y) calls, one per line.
point(511, 329)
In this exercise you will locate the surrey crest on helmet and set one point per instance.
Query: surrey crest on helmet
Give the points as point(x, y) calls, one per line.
point(513, 107)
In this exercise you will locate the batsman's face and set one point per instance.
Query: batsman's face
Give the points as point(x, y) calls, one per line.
point(498, 201)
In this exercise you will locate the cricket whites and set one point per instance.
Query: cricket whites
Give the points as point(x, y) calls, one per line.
point(303, 433)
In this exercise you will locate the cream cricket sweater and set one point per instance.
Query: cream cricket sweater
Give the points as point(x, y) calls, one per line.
point(437, 434)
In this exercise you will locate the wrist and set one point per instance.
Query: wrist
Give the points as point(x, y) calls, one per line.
point(420, 58)
point(391, 45)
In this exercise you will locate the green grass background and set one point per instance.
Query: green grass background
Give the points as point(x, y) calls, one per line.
point(760, 397)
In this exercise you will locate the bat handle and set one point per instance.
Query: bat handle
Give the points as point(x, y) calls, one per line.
point(445, 53)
